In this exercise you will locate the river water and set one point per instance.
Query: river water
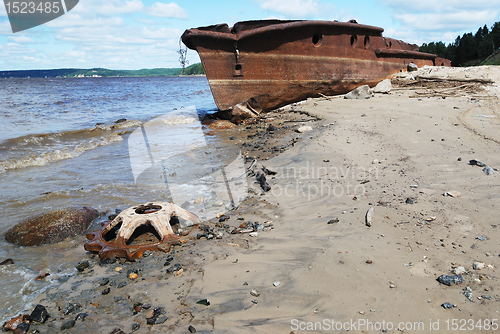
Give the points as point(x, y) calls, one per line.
point(107, 143)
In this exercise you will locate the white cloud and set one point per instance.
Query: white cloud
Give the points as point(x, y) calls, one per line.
point(442, 20)
point(440, 6)
point(159, 33)
point(5, 28)
point(167, 10)
point(3, 12)
point(447, 21)
point(85, 22)
point(21, 39)
point(292, 8)
point(118, 7)
point(109, 7)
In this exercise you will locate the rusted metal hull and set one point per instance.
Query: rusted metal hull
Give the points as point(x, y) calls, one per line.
point(262, 65)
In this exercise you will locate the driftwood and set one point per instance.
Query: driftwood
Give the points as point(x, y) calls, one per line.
point(432, 78)
point(326, 97)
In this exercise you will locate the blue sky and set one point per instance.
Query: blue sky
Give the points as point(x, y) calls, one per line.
point(135, 34)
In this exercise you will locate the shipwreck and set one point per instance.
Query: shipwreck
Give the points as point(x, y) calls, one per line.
point(258, 66)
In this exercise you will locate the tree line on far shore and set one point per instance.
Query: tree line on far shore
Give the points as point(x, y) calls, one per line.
point(481, 48)
point(195, 69)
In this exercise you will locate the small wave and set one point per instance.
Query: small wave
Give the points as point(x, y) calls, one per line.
point(176, 120)
point(43, 149)
point(59, 154)
point(23, 288)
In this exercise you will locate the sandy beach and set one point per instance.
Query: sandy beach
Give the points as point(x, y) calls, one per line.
point(317, 267)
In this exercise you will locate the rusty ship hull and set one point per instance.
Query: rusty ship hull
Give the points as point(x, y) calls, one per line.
point(258, 66)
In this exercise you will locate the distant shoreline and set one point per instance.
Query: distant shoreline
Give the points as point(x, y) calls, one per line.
point(118, 76)
point(195, 69)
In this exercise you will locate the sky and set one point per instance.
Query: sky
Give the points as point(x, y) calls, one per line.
point(137, 34)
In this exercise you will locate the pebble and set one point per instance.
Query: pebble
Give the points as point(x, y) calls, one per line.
point(369, 216)
point(81, 316)
point(22, 328)
point(205, 302)
point(161, 320)
point(103, 281)
point(71, 308)
point(136, 326)
point(447, 305)
point(488, 170)
point(277, 283)
point(459, 270)
point(173, 268)
point(409, 201)
point(117, 331)
point(450, 280)
point(255, 301)
point(133, 276)
point(333, 221)
point(255, 293)
point(478, 266)
point(6, 262)
point(453, 193)
point(68, 324)
point(254, 234)
point(39, 314)
point(81, 266)
point(468, 293)
point(106, 291)
point(191, 329)
point(369, 261)
point(122, 284)
point(304, 128)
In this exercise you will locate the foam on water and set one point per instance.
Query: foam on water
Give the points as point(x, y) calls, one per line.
point(40, 150)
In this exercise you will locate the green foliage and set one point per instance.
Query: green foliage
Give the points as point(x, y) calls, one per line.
point(469, 49)
point(195, 69)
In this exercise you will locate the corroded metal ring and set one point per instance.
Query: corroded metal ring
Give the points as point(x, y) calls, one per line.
point(137, 229)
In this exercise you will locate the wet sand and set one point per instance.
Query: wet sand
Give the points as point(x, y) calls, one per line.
point(320, 266)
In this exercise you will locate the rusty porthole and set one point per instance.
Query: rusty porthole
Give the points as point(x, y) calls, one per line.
point(237, 67)
point(367, 41)
point(317, 39)
point(354, 40)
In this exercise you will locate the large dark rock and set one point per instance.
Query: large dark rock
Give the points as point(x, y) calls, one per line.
point(450, 280)
point(52, 227)
point(39, 314)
